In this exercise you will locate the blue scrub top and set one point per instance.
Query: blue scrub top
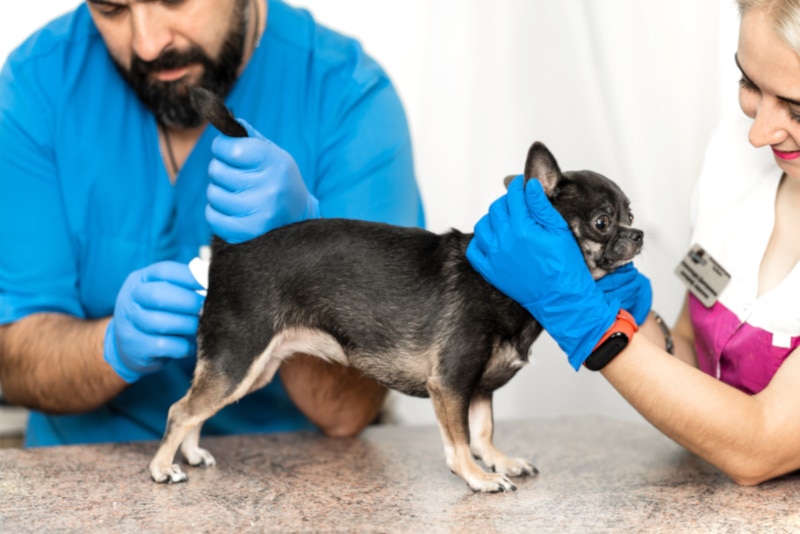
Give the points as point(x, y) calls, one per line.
point(85, 198)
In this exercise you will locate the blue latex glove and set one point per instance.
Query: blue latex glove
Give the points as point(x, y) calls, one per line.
point(155, 319)
point(255, 187)
point(524, 248)
point(631, 288)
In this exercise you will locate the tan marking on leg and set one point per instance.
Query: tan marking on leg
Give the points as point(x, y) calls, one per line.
point(191, 451)
point(481, 428)
point(204, 399)
point(287, 343)
point(451, 413)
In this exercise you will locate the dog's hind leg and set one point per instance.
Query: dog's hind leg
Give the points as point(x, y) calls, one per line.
point(206, 396)
point(210, 392)
point(452, 414)
point(191, 451)
point(213, 389)
point(481, 430)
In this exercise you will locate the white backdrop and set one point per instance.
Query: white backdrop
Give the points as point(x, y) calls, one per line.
point(629, 88)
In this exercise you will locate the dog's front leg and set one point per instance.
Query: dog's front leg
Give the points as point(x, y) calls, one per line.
point(481, 430)
point(451, 412)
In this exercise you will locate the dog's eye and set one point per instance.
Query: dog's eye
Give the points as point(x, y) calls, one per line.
point(602, 222)
point(630, 218)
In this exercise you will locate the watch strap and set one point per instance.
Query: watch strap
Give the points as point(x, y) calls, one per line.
point(613, 341)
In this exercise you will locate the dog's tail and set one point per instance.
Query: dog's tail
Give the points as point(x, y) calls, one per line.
point(212, 108)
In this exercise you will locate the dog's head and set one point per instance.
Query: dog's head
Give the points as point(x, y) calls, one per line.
point(596, 209)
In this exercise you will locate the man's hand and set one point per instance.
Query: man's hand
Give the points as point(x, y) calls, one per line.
point(255, 187)
point(155, 320)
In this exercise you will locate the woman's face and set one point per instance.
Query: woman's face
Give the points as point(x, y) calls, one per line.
point(770, 89)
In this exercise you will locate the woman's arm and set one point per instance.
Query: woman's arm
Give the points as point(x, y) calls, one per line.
point(750, 438)
point(682, 335)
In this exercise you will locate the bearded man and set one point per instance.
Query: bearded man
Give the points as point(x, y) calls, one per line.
point(110, 183)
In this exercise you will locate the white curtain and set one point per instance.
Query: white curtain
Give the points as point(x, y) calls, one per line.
point(629, 88)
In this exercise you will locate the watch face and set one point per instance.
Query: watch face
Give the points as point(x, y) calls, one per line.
point(606, 352)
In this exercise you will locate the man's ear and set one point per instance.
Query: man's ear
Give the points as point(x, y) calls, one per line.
point(542, 165)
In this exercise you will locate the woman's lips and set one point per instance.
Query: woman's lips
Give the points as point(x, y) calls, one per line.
point(786, 155)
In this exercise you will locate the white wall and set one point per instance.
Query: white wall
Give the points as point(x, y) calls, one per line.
point(629, 88)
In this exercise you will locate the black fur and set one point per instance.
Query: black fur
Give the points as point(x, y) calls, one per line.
point(379, 290)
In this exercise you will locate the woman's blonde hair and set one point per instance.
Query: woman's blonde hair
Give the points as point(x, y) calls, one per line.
point(785, 16)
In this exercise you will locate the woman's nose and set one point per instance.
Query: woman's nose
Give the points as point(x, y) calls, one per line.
point(769, 123)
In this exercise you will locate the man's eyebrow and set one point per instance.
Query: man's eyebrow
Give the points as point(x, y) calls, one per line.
point(746, 77)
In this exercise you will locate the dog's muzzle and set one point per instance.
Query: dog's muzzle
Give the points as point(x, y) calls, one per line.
point(627, 244)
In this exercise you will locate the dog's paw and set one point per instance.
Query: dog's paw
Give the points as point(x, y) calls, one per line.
point(515, 467)
point(198, 457)
point(172, 474)
point(490, 483)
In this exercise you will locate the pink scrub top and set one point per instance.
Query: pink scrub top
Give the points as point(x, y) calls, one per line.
point(744, 337)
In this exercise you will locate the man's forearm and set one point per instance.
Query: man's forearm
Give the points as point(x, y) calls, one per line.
point(54, 363)
point(340, 400)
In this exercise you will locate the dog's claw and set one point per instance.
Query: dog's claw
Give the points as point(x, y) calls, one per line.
point(171, 475)
point(505, 486)
point(492, 483)
point(515, 467)
point(198, 457)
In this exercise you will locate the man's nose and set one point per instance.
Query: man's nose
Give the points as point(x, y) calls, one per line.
point(151, 31)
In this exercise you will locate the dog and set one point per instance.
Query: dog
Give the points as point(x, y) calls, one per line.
point(402, 305)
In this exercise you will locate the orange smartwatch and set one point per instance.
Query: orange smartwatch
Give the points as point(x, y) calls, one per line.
point(613, 341)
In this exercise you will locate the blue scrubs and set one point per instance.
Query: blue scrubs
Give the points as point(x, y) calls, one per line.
point(85, 198)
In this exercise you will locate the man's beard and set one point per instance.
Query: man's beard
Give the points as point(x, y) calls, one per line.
point(169, 101)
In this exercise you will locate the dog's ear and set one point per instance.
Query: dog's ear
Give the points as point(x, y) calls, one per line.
point(542, 165)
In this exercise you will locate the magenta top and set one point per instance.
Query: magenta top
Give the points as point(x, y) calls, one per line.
point(736, 352)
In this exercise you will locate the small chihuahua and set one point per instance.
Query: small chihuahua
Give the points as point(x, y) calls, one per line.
point(402, 305)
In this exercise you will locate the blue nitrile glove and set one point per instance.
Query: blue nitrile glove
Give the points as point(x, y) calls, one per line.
point(631, 288)
point(255, 187)
point(155, 319)
point(524, 248)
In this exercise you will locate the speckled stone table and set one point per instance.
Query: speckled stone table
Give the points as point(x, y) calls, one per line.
point(597, 475)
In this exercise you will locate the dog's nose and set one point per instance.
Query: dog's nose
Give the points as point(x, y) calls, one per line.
point(635, 235)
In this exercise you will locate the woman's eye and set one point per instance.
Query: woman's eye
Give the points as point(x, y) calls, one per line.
point(747, 85)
